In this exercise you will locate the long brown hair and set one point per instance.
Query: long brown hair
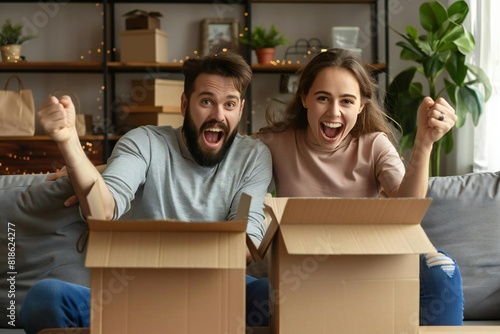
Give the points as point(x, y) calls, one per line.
point(371, 119)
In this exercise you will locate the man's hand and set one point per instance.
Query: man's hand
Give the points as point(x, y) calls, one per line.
point(57, 117)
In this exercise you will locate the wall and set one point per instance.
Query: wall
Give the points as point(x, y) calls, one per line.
point(72, 32)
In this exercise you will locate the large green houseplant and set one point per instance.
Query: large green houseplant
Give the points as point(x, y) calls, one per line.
point(440, 56)
point(264, 41)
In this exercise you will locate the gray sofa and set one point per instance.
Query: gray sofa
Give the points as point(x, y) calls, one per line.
point(463, 220)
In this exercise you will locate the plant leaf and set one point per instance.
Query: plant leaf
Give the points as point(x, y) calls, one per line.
point(467, 100)
point(456, 68)
point(482, 78)
point(432, 15)
point(457, 12)
point(433, 66)
point(447, 41)
point(409, 53)
point(465, 43)
point(447, 142)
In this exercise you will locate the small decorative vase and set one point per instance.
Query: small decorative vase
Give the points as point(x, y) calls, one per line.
point(11, 52)
point(265, 55)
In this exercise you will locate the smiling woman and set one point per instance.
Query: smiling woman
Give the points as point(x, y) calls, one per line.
point(334, 141)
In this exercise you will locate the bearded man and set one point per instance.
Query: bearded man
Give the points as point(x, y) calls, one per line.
point(193, 173)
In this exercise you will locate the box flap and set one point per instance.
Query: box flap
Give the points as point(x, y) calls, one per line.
point(351, 211)
point(349, 225)
point(169, 243)
point(356, 239)
point(166, 244)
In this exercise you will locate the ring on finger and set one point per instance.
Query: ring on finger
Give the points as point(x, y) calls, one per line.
point(441, 117)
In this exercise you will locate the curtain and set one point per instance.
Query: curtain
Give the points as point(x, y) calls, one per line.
point(485, 26)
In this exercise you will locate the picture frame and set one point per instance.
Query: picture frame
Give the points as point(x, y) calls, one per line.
point(219, 34)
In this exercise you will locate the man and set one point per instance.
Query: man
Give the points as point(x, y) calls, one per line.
point(193, 173)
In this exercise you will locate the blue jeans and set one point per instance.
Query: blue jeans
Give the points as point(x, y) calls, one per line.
point(441, 295)
point(53, 303)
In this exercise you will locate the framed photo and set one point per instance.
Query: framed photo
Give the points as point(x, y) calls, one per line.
point(219, 34)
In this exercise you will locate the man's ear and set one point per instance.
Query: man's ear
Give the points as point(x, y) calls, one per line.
point(184, 104)
point(241, 109)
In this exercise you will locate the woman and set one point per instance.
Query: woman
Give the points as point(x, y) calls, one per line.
point(335, 141)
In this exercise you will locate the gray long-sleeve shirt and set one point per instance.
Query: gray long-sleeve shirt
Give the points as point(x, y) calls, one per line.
point(152, 175)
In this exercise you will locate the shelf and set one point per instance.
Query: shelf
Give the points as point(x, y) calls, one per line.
point(97, 67)
point(315, 1)
point(141, 67)
point(293, 68)
point(52, 66)
point(47, 138)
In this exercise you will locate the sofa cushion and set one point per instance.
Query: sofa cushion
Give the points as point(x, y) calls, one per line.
point(48, 238)
point(464, 221)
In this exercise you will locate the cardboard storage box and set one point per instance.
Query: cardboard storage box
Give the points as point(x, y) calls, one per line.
point(134, 119)
point(141, 19)
point(343, 265)
point(167, 276)
point(158, 92)
point(144, 46)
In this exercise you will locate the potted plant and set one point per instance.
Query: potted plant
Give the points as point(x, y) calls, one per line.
point(11, 38)
point(440, 57)
point(264, 42)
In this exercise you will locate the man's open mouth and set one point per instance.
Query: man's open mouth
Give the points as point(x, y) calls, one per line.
point(213, 135)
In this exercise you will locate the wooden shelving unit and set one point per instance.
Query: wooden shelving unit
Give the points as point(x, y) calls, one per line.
point(109, 67)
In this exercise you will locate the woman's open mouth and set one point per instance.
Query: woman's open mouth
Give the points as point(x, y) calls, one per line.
point(331, 130)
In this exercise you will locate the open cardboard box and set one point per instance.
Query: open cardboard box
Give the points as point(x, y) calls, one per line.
point(167, 276)
point(341, 265)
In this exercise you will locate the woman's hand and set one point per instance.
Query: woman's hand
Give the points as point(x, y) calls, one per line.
point(435, 119)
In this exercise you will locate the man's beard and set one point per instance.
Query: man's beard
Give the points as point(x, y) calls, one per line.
point(203, 158)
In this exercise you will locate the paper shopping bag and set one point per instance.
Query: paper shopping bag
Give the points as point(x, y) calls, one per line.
point(17, 110)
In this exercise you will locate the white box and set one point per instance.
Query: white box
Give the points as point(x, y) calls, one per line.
point(144, 45)
point(345, 37)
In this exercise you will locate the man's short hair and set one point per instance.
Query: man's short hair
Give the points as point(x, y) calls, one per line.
point(226, 64)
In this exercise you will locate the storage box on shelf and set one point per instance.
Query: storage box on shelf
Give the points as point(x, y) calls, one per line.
point(139, 19)
point(144, 45)
point(154, 102)
point(158, 92)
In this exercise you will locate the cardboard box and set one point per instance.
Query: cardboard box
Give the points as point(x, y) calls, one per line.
point(141, 19)
point(458, 329)
point(144, 46)
point(135, 119)
point(341, 265)
point(167, 276)
point(142, 22)
point(158, 92)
